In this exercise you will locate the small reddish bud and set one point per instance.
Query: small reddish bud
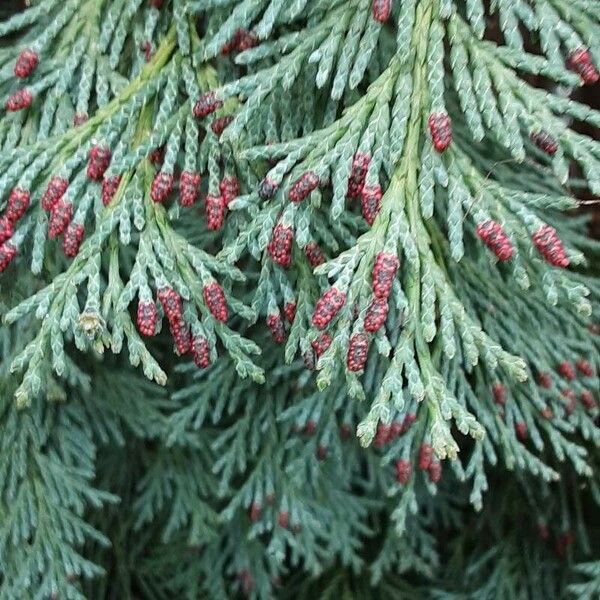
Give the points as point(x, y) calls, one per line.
point(546, 240)
point(110, 185)
point(79, 119)
point(283, 519)
point(7, 253)
point(493, 236)
point(358, 174)
point(545, 380)
point(189, 188)
point(435, 471)
point(521, 430)
point(382, 437)
point(327, 307)
point(310, 427)
point(19, 100)
point(581, 63)
point(381, 10)
point(18, 203)
point(345, 431)
point(409, 419)
point(384, 272)
point(370, 202)
point(267, 189)
point(207, 104)
point(499, 393)
point(72, 239)
point(275, 324)
point(6, 229)
point(146, 48)
point(280, 245)
point(247, 40)
point(60, 217)
point(440, 127)
point(147, 315)
point(566, 370)
point(230, 189)
point(180, 331)
point(569, 395)
point(255, 511)
point(26, 63)
point(215, 212)
point(321, 344)
point(156, 157)
point(161, 186)
point(171, 303)
point(290, 311)
point(220, 124)
point(425, 457)
point(315, 255)
point(98, 162)
point(55, 190)
point(321, 452)
point(545, 142)
point(303, 186)
point(376, 315)
point(587, 399)
point(403, 471)
point(215, 301)
point(358, 350)
point(584, 367)
point(201, 351)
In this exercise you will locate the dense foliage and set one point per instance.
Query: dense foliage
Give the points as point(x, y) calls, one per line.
point(296, 301)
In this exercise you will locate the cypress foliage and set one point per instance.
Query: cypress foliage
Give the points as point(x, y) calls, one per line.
point(295, 299)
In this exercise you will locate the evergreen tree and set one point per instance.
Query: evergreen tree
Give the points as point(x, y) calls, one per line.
point(295, 299)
